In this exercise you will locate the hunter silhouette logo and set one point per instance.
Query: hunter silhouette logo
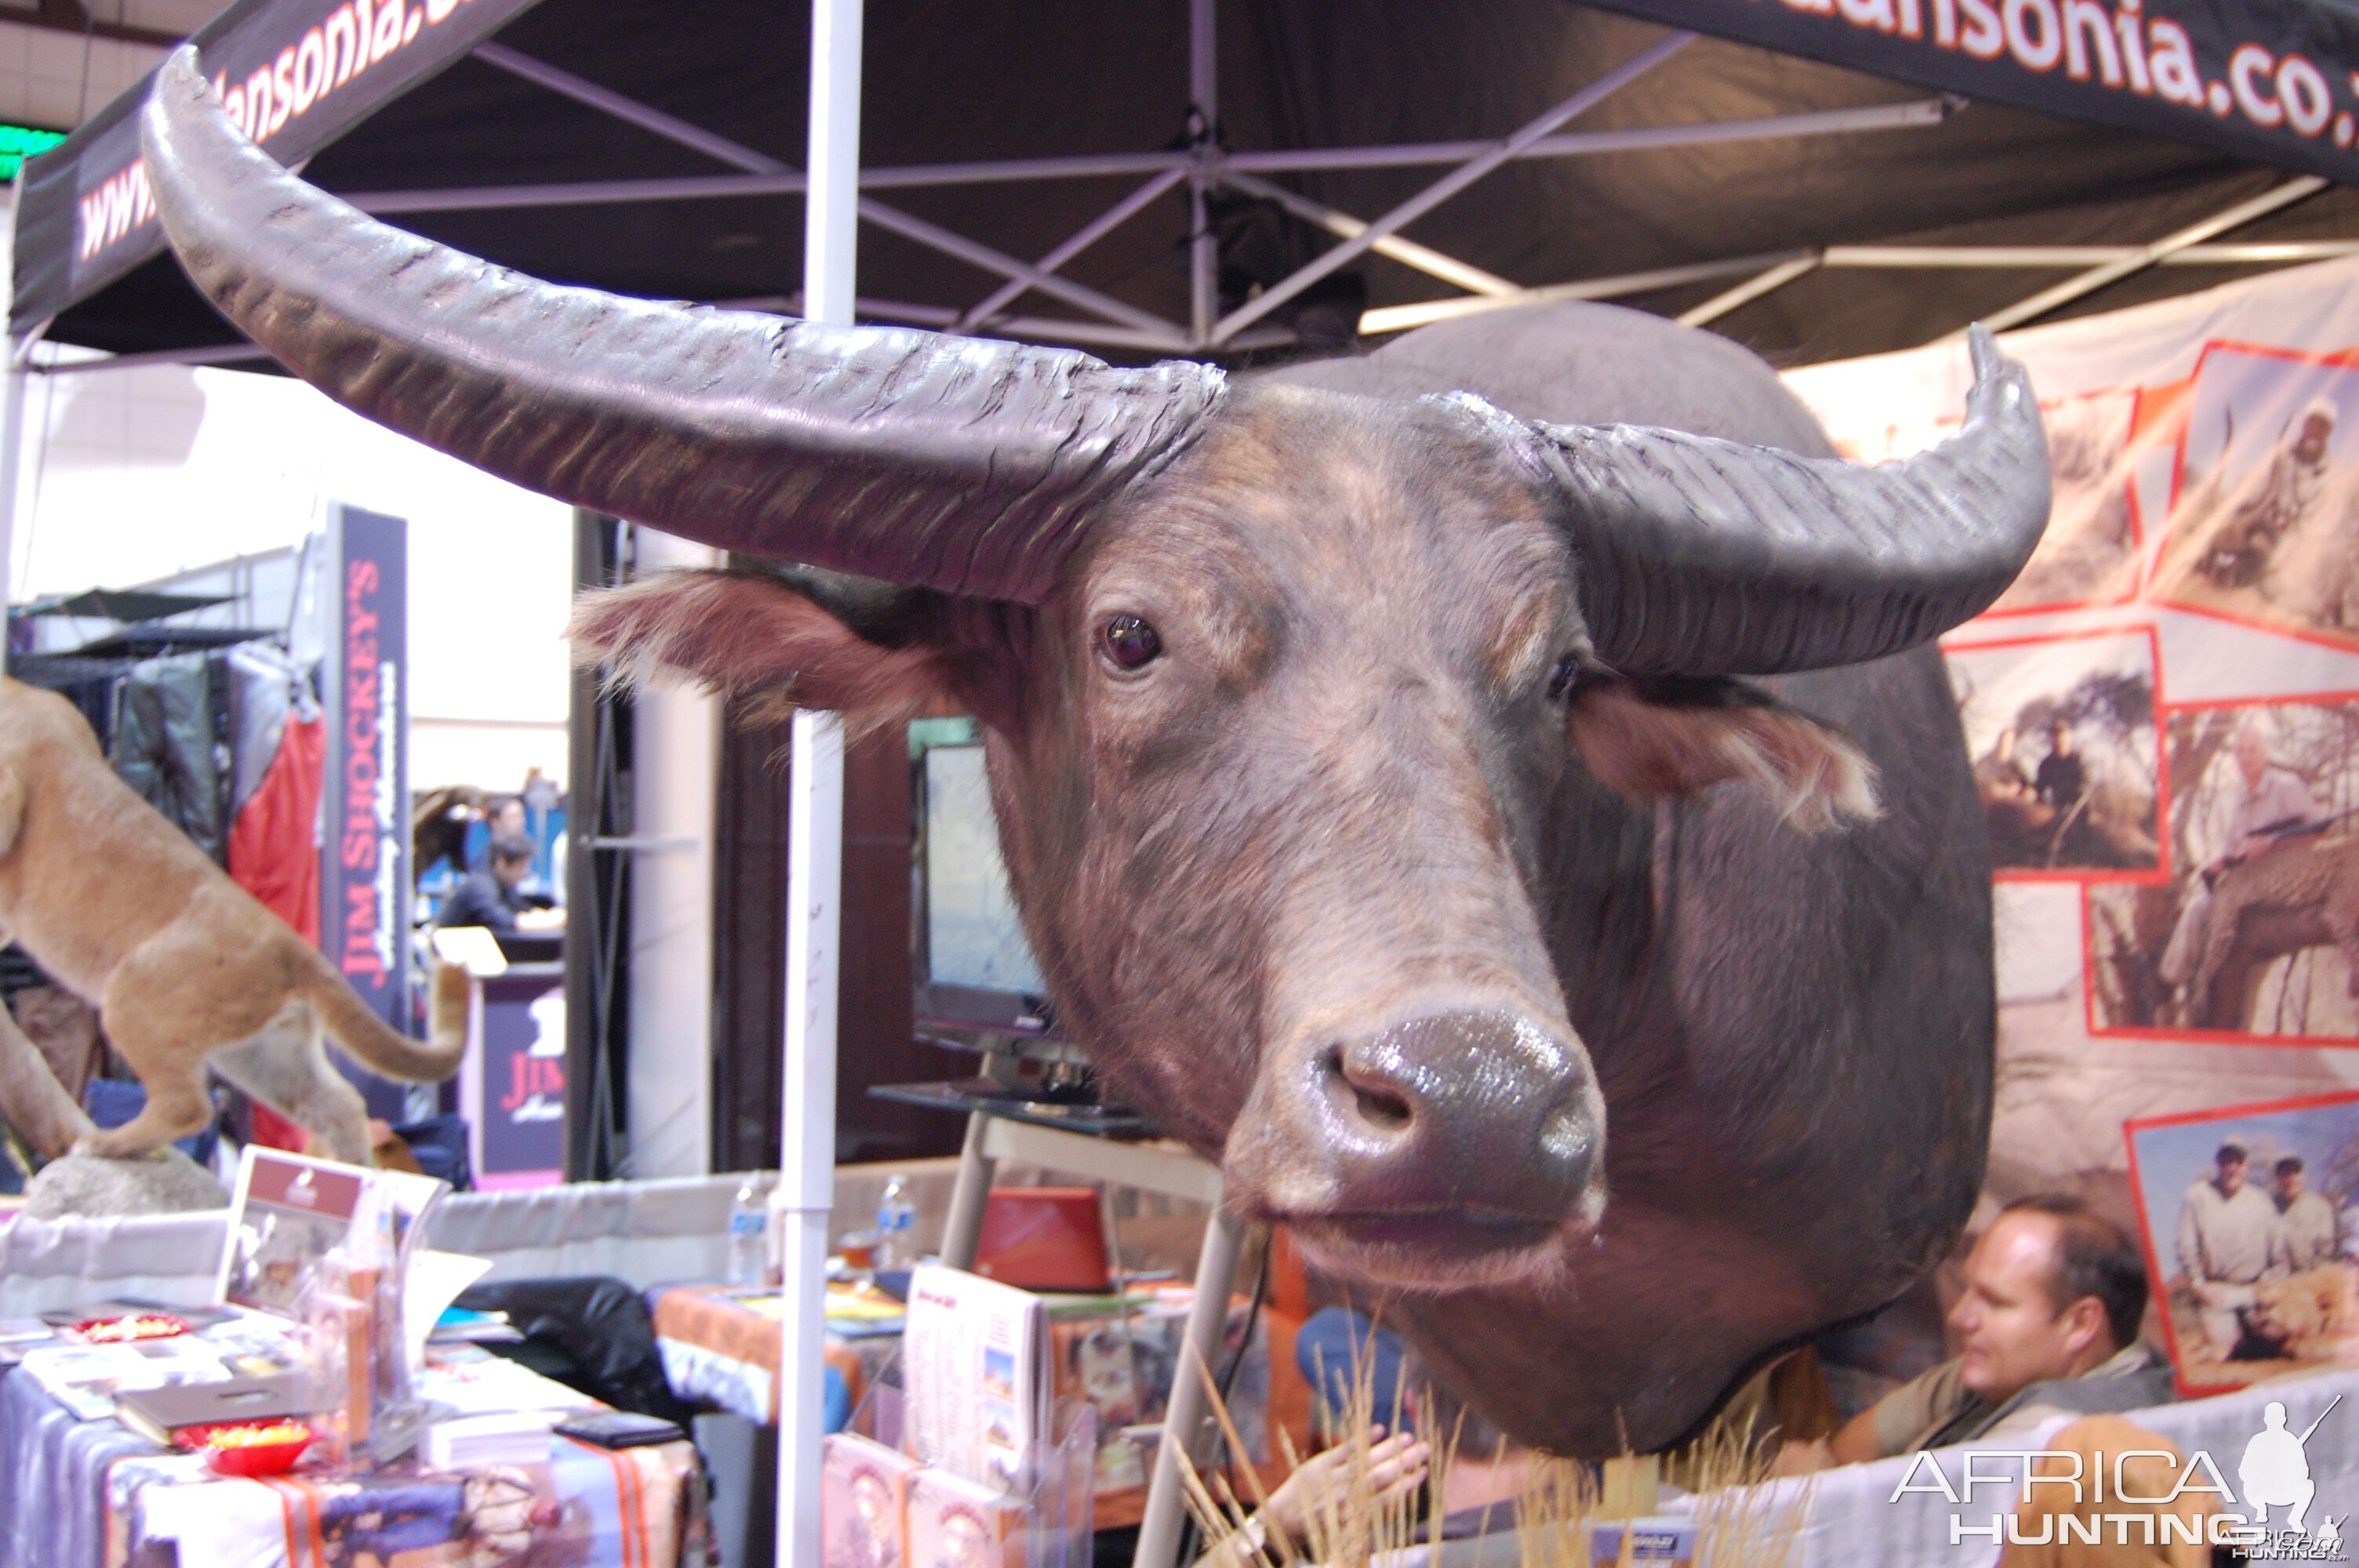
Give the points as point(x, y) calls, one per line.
point(2275, 1472)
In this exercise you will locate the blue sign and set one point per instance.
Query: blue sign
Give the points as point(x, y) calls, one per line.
point(365, 864)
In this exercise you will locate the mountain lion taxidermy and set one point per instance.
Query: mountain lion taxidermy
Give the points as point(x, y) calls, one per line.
point(187, 968)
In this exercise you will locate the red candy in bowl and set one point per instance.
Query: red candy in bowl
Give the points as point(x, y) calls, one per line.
point(129, 1329)
point(249, 1447)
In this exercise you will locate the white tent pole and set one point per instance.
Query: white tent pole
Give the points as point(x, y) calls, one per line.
point(15, 379)
point(815, 847)
point(675, 769)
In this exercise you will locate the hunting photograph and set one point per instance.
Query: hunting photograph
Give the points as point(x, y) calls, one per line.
point(2257, 931)
point(2264, 528)
point(2088, 555)
point(2249, 1226)
point(2066, 760)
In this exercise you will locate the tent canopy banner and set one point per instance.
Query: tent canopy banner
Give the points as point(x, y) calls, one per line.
point(2271, 81)
point(294, 74)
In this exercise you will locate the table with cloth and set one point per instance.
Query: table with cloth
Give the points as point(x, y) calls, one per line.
point(722, 1346)
point(90, 1494)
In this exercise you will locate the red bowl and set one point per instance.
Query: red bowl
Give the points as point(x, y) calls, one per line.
point(130, 1329)
point(248, 1458)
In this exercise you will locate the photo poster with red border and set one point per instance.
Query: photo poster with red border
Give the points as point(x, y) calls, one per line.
point(2253, 1270)
point(2187, 636)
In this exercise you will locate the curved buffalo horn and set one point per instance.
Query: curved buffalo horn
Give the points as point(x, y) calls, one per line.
point(942, 462)
point(1703, 556)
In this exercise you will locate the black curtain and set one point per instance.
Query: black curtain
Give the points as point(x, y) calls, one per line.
point(597, 888)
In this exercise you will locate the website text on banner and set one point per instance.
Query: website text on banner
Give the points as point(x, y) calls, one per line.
point(2273, 80)
point(294, 74)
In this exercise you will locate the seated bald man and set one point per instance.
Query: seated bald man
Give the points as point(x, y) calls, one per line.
point(2048, 1326)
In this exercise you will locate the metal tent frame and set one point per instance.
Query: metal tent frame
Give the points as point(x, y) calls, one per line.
point(1204, 168)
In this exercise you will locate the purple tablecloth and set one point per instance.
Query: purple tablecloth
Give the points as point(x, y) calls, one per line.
point(53, 1478)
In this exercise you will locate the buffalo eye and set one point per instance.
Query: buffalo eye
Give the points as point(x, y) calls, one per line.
point(1561, 678)
point(1129, 643)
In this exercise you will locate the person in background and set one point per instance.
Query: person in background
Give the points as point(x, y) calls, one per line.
point(2272, 800)
point(1339, 1350)
point(495, 896)
point(2274, 497)
point(1348, 1357)
point(2228, 1238)
point(2305, 1219)
point(510, 815)
point(2064, 777)
point(2000, 775)
point(2049, 1324)
point(506, 816)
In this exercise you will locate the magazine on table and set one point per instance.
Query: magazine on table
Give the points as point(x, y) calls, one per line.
point(975, 1372)
point(85, 1378)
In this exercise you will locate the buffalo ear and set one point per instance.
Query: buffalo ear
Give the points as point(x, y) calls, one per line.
point(749, 635)
point(1656, 737)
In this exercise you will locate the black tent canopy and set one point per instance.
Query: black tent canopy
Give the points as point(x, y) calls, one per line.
point(1049, 171)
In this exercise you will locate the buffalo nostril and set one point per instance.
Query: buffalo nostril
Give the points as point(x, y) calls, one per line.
point(1388, 1112)
point(1377, 1104)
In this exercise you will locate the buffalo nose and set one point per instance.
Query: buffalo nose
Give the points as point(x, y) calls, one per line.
point(1481, 1112)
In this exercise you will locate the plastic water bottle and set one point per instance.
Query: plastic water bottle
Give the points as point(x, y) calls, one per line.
point(749, 1219)
point(897, 1227)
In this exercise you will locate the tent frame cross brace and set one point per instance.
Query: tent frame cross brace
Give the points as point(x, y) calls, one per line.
point(1205, 168)
point(1401, 317)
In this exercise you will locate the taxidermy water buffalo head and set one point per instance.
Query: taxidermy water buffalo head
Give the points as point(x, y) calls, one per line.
point(1278, 684)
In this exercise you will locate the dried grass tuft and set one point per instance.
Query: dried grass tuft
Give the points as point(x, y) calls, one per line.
point(1740, 1522)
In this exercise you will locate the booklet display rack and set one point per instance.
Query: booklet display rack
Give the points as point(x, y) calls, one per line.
point(881, 1508)
point(993, 1134)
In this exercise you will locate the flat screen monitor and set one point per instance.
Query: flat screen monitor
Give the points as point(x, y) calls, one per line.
point(975, 970)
